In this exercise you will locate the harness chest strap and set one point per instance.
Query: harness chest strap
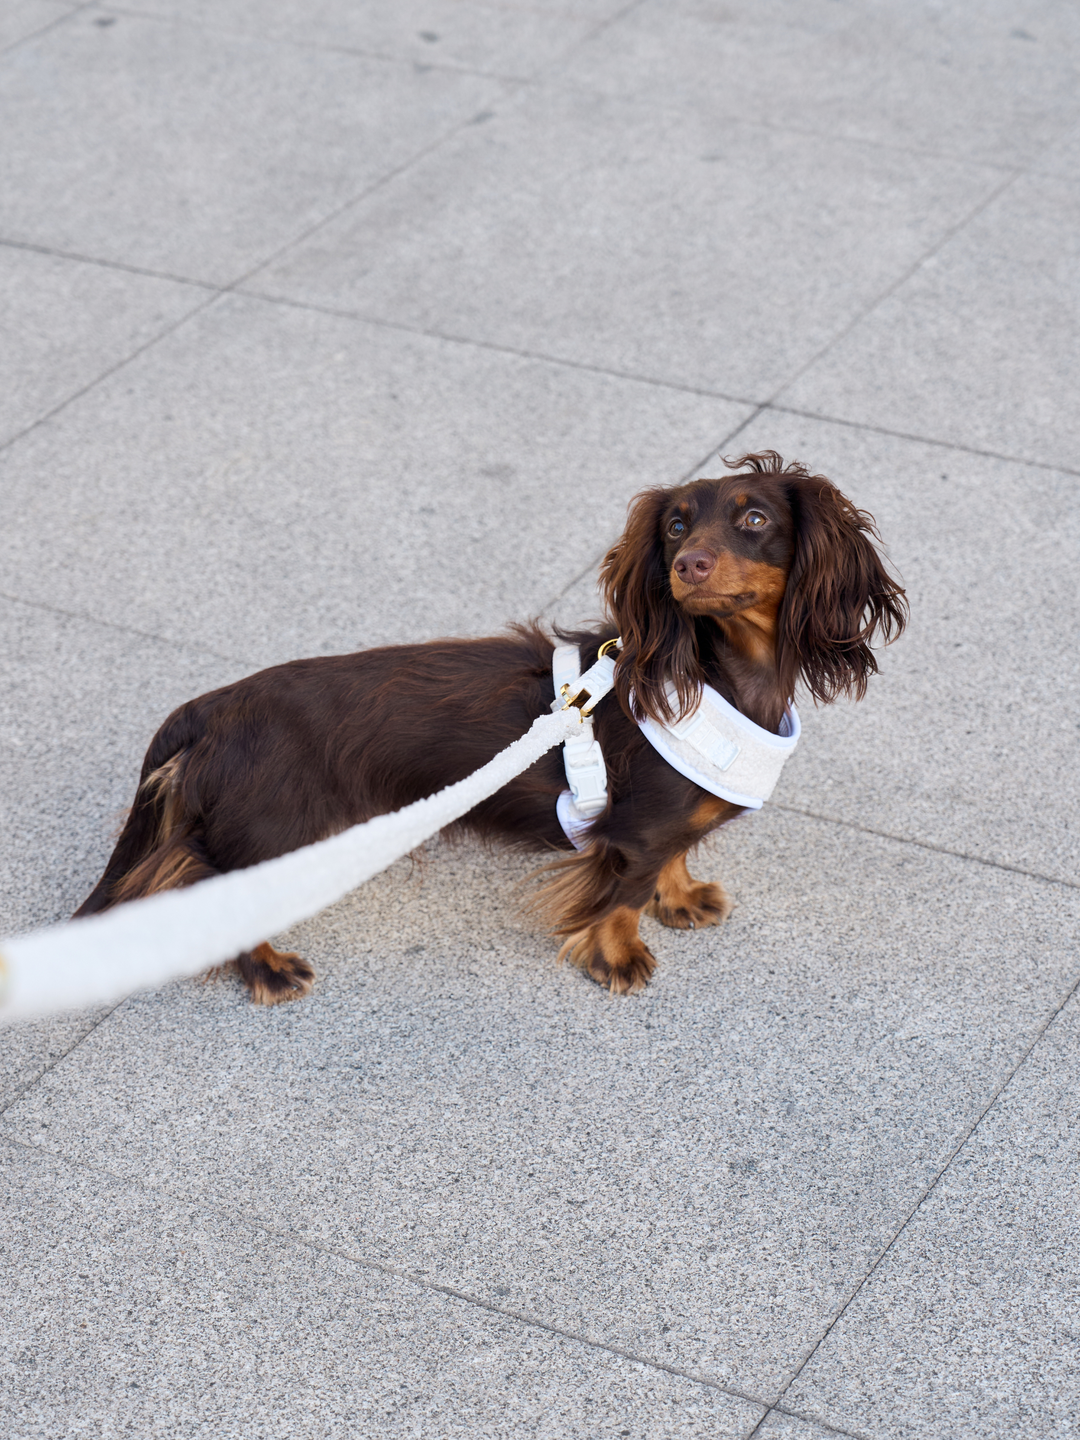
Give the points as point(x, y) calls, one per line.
point(583, 760)
point(715, 746)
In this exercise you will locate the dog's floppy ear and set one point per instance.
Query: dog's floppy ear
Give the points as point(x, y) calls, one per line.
point(839, 595)
point(659, 644)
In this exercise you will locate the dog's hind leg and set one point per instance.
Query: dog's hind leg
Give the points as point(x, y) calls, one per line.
point(274, 975)
point(162, 848)
point(270, 975)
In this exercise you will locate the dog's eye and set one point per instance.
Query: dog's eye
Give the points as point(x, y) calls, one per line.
point(755, 520)
point(676, 528)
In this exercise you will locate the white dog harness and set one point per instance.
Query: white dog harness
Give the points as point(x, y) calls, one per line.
point(715, 745)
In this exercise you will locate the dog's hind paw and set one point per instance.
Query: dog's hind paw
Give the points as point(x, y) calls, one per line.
point(274, 975)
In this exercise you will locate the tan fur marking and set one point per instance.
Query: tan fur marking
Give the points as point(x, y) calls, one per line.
point(744, 598)
point(612, 952)
point(161, 784)
point(683, 903)
point(274, 976)
point(709, 811)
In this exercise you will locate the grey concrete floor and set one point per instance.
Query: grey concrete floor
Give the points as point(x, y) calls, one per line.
point(287, 287)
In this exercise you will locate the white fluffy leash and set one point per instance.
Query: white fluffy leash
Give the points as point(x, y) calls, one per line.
point(178, 933)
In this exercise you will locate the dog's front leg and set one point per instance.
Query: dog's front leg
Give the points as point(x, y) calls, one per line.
point(684, 903)
point(595, 903)
point(612, 952)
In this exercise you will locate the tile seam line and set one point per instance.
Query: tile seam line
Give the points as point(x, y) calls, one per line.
point(57, 1060)
point(61, 19)
point(913, 1212)
point(805, 1419)
point(955, 445)
point(122, 629)
point(111, 370)
point(231, 287)
point(538, 356)
point(37, 248)
point(292, 43)
point(927, 845)
point(232, 1217)
point(774, 127)
point(902, 279)
point(757, 407)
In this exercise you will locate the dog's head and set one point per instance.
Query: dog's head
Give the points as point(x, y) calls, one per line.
point(775, 557)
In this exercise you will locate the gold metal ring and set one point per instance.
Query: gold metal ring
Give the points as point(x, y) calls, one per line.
point(608, 645)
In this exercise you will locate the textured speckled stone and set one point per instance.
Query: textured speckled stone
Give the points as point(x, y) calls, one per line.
point(66, 323)
point(701, 1174)
point(126, 1311)
point(992, 81)
point(20, 19)
point(978, 347)
point(968, 1327)
point(780, 1426)
point(497, 39)
point(269, 482)
point(199, 154)
point(675, 244)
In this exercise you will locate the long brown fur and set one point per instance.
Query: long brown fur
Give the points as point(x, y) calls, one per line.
point(750, 583)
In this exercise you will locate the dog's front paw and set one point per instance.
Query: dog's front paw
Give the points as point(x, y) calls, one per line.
point(274, 975)
point(612, 953)
point(698, 904)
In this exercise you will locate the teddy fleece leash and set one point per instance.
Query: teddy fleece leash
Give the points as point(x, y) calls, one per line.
point(144, 943)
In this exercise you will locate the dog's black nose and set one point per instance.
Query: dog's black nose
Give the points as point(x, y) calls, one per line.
point(695, 566)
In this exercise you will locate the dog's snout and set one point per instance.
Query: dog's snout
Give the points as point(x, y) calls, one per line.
point(693, 567)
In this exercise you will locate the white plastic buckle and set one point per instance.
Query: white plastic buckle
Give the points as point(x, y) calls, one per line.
point(586, 773)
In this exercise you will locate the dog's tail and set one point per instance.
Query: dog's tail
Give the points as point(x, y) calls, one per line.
point(161, 845)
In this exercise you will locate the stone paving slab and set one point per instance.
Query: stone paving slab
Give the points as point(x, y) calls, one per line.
point(700, 1175)
point(1063, 157)
point(126, 1311)
point(978, 347)
point(268, 482)
point(993, 82)
point(78, 709)
point(968, 1327)
point(20, 19)
point(79, 702)
point(501, 40)
point(115, 139)
point(969, 738)
point(652, 241)
point(67, 322)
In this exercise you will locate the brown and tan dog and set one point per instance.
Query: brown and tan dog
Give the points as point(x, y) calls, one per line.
point(750, 583)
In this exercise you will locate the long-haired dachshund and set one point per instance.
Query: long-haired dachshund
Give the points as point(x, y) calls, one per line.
point(750, 584)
